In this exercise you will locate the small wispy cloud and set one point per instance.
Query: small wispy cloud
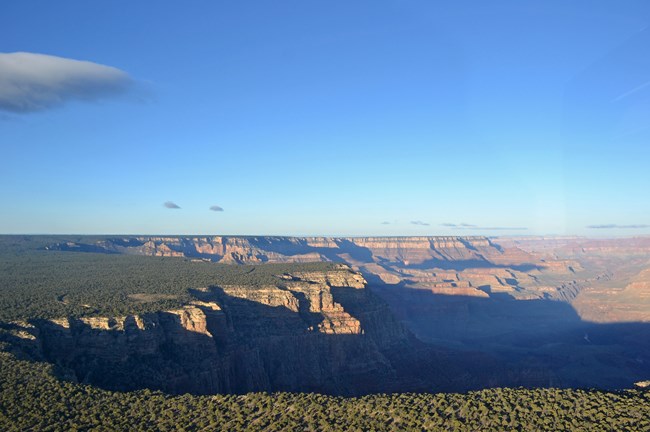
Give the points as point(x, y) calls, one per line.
point(460, 225)
point(615, 226)
point(482, 228)
point(171, 205)
point(34, 82)
point(419, 222)
point(385, 223)
point(502, 228)
point(216, 208)
point(631, 92)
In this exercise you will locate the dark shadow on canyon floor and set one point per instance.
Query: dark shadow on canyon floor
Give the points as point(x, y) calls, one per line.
point(460, 265)
point(547, 334)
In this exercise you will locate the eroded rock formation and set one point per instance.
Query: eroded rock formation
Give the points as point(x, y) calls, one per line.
point(528, 304)
point(312, 331)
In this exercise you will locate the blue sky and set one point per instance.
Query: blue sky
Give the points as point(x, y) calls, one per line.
point(326, 118)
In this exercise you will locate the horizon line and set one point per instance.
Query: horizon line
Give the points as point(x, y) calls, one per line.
point(325, 235)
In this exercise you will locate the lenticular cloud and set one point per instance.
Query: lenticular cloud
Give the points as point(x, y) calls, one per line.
point(33, 82)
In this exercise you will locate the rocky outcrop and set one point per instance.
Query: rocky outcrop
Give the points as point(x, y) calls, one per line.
point(527, 303)
point(312, 331)
point(603, 301)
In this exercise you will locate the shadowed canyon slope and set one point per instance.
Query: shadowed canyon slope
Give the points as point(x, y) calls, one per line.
point(314, 331)
point(439, 313)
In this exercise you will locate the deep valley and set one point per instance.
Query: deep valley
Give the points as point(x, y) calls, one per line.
point(385, 315)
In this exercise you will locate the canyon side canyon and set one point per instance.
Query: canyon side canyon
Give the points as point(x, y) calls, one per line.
point(394, 314)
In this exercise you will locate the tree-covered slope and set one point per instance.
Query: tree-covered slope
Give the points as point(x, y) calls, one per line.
point(32, 399)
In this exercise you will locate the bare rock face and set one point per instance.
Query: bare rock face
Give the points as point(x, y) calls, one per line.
point(540, 303)
point(311, 332)
point(644, 385)
point(605, 301)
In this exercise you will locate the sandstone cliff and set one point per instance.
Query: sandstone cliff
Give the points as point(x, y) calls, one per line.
point(311, 331)
point(294, 336)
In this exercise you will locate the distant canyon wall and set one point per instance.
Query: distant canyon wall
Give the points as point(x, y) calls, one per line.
point(246, 250)
point(452, 265)
point(399, 314)
point(590, 274)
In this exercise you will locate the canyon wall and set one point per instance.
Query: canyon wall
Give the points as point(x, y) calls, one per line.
point(312, 331)
point(514, 311)
point(292, 336)
point(248, 250)
point(473, 266)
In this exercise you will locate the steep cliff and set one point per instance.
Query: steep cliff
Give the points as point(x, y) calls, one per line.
point(438, 313)
point(297, 335)
point(321, 331)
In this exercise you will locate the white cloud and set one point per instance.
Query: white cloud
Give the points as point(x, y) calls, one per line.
point(34, 82)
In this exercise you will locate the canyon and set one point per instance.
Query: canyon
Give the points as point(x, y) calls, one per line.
point(591, 274)
point(396, 314)
point(311, 331)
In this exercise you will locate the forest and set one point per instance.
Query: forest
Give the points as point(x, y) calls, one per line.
point(32, 399)
point(36, 283)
